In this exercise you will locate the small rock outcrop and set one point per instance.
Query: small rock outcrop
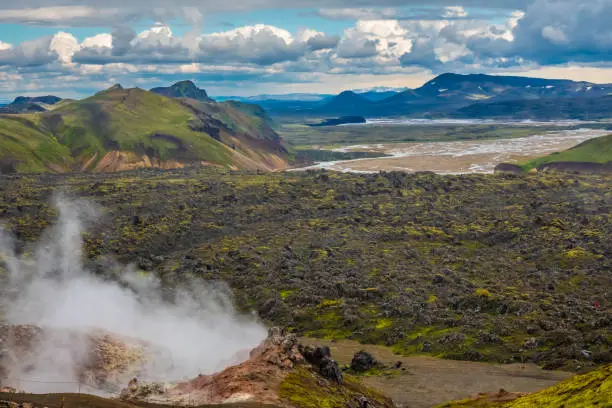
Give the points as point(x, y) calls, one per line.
point(508, 168)
point(320, 357)
point(576, 167)
point(363, 361)
point(279, 363)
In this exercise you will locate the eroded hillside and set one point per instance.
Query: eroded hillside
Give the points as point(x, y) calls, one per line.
point(123, 129)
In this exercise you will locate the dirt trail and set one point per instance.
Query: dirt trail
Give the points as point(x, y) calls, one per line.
point(425, 381)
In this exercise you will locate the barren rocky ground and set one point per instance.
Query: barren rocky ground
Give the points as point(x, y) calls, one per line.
point(483, 268)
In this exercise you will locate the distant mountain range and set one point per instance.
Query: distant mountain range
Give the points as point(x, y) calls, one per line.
point(466, 96)
point(122, 129)
point(577, 107)
point(303, 103)
point(303, 97)
point(25, 104)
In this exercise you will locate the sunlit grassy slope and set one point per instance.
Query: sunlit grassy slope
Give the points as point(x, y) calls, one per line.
point(80, 133)
point(598, 150)
point(589, 390)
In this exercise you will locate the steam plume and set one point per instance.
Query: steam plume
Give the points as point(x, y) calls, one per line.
point(197, 331)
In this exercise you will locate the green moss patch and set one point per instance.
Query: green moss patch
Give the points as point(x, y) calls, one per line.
point(305, 389)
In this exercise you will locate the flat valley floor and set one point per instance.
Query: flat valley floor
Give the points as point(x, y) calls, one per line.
point(462, 156)
point(424, 382)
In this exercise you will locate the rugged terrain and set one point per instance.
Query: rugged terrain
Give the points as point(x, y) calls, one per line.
point(122, 129)
point(279, 372)
point(482, 268)
point(183, 89)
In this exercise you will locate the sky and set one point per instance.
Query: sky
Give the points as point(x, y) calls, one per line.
point(73, 48)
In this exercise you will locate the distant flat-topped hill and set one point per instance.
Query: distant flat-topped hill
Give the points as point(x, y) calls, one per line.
point(121, 129)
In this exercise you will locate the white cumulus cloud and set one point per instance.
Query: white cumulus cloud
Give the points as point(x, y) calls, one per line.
point(454, 12)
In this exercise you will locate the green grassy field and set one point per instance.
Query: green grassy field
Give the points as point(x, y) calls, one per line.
point(597, 150)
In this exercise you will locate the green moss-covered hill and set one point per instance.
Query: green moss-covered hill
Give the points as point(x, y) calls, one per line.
point(598, 150)
point(583, 391)
point(474, 267)
point(120, 129)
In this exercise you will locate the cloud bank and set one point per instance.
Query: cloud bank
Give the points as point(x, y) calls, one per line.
point(384, 40)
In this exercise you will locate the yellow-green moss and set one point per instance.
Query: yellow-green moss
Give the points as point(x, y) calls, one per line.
point(384, 323)
point(306, 389)
point(582, 391)
point(589, 390)
point(483, 293)
point(284, 294)
point(330, 302)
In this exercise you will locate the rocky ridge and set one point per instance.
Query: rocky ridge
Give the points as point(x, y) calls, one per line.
point(279, 364)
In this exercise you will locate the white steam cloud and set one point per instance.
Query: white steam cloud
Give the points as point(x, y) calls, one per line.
point(193, 328)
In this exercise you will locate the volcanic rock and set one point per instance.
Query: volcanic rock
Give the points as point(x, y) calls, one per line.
point(363, 361)
point(280, 362)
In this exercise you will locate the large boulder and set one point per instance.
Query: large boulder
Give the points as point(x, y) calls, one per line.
point(320, 357)
point(363, 361)
point(330, 370)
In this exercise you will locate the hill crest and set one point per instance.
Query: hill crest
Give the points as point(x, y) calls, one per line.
point(123, 129)
point(183, 89)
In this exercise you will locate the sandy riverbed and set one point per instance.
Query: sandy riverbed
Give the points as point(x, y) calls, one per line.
point(426, 381)
point(470, 156)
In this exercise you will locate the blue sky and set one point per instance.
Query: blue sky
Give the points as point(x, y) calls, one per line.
point(288, 19)
point(246, 47)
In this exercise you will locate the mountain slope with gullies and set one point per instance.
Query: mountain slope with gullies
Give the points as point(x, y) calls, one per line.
point(123, 129)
